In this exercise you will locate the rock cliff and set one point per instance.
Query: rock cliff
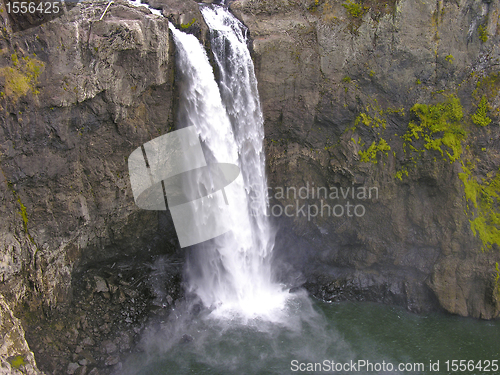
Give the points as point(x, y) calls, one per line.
point(78, 95)
point(400, 97)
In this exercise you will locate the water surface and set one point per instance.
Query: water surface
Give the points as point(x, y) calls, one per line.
point(311, 332)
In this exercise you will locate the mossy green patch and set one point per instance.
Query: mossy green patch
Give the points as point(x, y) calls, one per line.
point(483, 33)
point(485, 198)
point(187, 25)
point(480, 117)
point(17, 361)
point(375, 117)
point(488, 85)
point(21, 77)
point(374, 121)
point(439, 127)
point(354, 9)
point(24, 214)
point(370, 155)
point(402, 172)
point(449, 58)
point(14, 58)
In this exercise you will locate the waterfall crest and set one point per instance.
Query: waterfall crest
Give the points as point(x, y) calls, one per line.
point(231, 273)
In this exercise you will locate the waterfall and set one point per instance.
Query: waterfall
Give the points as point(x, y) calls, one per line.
point(231, 273)
point(238, 86)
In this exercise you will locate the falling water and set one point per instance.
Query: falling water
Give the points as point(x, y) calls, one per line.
point(230, 273)
point(238, 86)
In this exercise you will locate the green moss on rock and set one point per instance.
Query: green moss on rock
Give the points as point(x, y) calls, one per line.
point(370, 155)
point(17, 361)
point(187, 25)
point(354, 9)
point(439, 126)
point(21, 77)
point(485, 198)
point(480, 117)
point(483, 33)
point(24, 214)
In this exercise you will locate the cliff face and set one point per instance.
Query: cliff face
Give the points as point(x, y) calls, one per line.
point(401, 97)
point(78, 96)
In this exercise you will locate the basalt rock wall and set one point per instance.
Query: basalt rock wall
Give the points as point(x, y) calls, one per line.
point(78, 95)
point(401, 96)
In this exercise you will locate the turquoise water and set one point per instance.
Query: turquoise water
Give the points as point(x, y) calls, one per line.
point(311, 332)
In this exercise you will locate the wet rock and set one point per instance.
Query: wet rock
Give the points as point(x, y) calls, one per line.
point(124, 342)
point(185, 15)
point(109, 347)
point(112, 360)
point(88, 341)
point(72, 367)
point(186, 338)
point(83, 362)
point(100, 285)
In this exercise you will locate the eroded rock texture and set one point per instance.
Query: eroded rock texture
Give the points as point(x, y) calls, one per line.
point(79, 94)
point(338, 84)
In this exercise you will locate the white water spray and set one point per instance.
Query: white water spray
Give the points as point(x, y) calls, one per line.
point(230, 273)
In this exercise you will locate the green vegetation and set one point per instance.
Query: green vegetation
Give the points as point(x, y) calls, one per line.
point(485, 197)
point(402, 172)
point(483, 34)
point(370, 155)
point(488, 85)
point(17, 361)
point(374, 118)
point(354, 9)
point(450, 58)
point(314, 7)
point(21, 77)
point(374, 121)
point(23, 214)
point(186, 25)
point(480, 118)
point(346, 79)
point(439, 126)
